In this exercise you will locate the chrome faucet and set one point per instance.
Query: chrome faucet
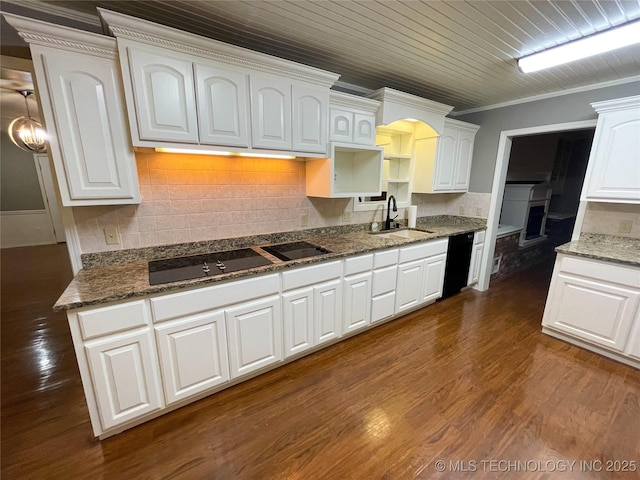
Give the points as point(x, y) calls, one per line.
point(387, 223)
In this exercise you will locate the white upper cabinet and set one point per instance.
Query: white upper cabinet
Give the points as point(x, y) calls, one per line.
point(310, 105)
point(270, 112)
point(222, 96)
point(352, 119)
point(443, 164)
point(613, 173)
point(80, 93)
point(163, 94)
point(187, 89)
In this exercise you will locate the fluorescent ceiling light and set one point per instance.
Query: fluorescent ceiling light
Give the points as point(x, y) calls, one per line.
point(225, 154)
point(623, 36)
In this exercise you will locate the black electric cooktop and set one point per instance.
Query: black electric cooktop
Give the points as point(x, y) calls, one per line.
point(295, 250)
point(206, 265)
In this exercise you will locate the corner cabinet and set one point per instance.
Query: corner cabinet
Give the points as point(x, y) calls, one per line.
point(80, 93)
point(443, 164)
point(613, 172)
point(595, 305)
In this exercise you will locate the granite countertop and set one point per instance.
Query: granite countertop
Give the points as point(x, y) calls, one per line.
point(122, 274)
point(625, 251)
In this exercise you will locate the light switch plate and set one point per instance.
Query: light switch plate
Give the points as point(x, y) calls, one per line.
point(346, 216)
point(304, 220)
point(625, 226)
point(111, 235)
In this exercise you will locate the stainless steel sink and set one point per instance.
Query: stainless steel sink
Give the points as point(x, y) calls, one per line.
point(405, 234)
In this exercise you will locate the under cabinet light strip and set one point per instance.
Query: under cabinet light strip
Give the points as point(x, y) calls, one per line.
point(605, 41)
point(224, 154)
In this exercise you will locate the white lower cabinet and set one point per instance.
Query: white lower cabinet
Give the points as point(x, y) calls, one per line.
point(595, 302)
point(297, 315)
point(138, 357)
point(357, 302)
point(255, 335)
point(125, 377)
point(476, 258)
point(409, 291)
point(433, 278)
point(193, 355)
point(420, 274)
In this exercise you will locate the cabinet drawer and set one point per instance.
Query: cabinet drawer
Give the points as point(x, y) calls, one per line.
point(382, 306)
point(479, 237)
point(359, 264)
point(385, 258)
point(384, 280)
point(619, 274)
point(208, 298)
point(301, 277)
point(97, 322)
point(423, 250)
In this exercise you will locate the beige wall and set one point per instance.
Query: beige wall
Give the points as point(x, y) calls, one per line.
point(195, 197)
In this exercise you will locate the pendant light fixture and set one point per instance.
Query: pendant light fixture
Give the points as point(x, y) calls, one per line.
point(26, 133)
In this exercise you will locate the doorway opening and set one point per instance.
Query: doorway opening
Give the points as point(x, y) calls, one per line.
point(500, 180)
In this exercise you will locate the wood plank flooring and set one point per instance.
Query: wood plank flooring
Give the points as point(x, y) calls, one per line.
point(469, 381)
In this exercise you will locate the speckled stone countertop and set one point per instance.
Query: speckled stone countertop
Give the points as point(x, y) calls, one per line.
point(122, 274)
point(625, 251)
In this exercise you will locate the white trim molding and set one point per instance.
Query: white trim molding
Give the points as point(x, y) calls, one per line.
point(499, 180)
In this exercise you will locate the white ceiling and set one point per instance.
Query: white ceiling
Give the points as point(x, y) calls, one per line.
point(462, 53)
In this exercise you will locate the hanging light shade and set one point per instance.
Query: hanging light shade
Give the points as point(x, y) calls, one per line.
point(25, 132)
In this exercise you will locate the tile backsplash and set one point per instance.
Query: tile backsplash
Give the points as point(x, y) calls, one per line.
point(194, 197)
point(612, 219)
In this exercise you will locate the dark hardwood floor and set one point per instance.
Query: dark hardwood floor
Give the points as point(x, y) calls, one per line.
point(470, 381)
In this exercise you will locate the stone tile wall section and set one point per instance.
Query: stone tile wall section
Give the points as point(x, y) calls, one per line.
point(188, 198)
point(515, 259)
point(607, 219)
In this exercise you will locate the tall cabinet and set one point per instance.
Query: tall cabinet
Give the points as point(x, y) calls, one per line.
point(613, 174)
point(80, 92)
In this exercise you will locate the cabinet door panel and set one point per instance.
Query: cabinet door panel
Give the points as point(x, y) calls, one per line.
point(445, 160)
point(616, 169)
point(255, 335)
point(463, 161)
point(476, 261)
point(327, 311)
point(298, 321)
point(633, 343)
point(341, 126)
point(309, 118)
point(433, 277)
point(410, 288)
point(125, 377)
point(271, 113)
point(164, 95)
point(357, 302)
point(592, 310)
point(222, 106)
point(193, 355)
point(364, 130)
point(97, 161)
point(382, 306)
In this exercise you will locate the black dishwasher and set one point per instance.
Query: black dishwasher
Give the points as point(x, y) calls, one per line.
point(456, 271)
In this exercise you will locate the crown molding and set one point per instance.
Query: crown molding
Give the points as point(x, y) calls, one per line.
point(47, 34)
point(460, 125)
point(52, 8)
point(135, 29)
point(616, 104)
point(387, 94)
point(352, 102)
point(544, 96)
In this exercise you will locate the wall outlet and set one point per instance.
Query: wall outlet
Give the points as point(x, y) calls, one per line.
point(479, 212)
point(346, 216)
point(625, 226)
point(461, 210)
point(111, 235)
point(304, 220)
